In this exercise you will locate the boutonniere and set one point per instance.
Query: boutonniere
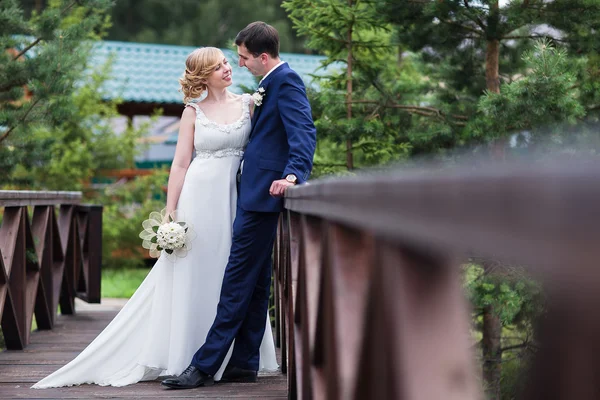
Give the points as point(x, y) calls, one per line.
point(258, 96)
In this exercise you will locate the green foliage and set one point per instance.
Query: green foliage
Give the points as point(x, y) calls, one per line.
point(42, 59)
point(453, 39)
point(67, 155)
point(327, 25)
point(197, 23)
point(453, 36)
point(125, 208)
point(546, 95)
point(512, 381)
point(462, 28)
point(516, 298)
point(353, 37)
point(518, 301)
point(588, 84)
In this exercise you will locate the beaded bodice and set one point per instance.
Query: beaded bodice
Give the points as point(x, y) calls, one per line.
point(212, 139)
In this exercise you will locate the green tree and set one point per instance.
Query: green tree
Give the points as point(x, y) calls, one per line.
point(547, 96)
point(492, 26)
point(359, 53)
point(43, 58)
point(69, 155)
point(64, 136)
point(518, 301)
point(457, 37)
point(197, 23)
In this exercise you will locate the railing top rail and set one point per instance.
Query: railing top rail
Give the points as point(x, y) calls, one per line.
point(15, 198)
point(526, 213)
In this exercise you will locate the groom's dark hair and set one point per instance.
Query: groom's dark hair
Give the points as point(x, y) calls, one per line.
point(259, 37)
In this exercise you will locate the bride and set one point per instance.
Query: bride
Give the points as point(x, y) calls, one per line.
point(168, 317)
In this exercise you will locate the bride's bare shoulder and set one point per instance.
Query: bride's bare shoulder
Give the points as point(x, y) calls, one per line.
point(236, 97)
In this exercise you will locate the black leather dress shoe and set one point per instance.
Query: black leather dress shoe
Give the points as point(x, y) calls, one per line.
point(235, 374)
point(191, 378)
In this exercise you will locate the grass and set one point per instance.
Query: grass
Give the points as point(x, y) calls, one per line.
point(122, 283)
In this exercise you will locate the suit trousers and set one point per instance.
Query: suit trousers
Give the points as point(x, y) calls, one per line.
point(244, 295)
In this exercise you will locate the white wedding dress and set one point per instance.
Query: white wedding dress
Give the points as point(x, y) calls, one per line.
point(167, 319)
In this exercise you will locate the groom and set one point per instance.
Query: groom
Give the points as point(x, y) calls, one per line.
point(279, 154)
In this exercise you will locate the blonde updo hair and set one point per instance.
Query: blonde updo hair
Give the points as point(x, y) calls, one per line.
point(198, 66)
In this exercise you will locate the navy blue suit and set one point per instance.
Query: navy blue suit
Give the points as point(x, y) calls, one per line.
point(282, 142)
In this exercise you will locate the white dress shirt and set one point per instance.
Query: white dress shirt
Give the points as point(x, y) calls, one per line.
point(271, 70)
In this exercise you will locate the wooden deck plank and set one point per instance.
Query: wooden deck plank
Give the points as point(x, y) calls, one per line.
point(49, 350)
point(149, 390)
point(55, 358)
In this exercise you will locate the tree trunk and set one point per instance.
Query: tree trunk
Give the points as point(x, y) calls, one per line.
point(349, 156)
point(492, 59)
point(492, 77)
point(491, 343)
point(492, 70)
point(491, 352)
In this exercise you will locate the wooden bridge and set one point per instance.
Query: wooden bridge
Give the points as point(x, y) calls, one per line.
point(368, 298)
point(51, 349)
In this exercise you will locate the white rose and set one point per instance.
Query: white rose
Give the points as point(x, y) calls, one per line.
point(257, 97)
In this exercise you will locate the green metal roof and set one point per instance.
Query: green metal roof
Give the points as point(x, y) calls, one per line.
point(149, 73)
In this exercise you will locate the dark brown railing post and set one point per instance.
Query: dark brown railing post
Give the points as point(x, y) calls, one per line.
point(13, 231)
point(281, 252)
point(50, 257)
point(68, 229)
point(92, 253)
point(46, 262)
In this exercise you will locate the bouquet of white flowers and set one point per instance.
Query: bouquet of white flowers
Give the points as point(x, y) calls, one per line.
point(168, 233)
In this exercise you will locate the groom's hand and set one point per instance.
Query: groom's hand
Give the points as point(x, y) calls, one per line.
point(278, 187)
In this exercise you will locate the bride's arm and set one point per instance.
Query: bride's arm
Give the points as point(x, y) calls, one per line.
point(182, 159)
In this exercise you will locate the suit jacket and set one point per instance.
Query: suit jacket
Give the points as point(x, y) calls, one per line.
point(282, 140)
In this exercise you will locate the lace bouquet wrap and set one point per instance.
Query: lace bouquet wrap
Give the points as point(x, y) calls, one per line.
point(168, 233)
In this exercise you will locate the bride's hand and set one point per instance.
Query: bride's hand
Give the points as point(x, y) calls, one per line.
point(166, 217)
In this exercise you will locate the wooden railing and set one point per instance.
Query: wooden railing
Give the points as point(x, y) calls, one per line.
point(369, 302)
point(46, 260)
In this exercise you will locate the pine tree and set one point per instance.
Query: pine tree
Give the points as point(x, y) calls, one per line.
point(67, 156)
point(43, 58)
point(356, 42)
point(458, 36)
point(492, 25)
point(545, 96)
